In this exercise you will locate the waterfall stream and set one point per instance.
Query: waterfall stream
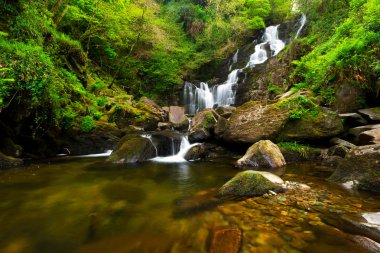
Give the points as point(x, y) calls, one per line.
point(199, 98)
point(180, 156)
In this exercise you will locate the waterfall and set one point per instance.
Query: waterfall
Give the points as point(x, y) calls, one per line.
point(180, 156)
point(149, 137)
point(199, 98)
point(303, 22)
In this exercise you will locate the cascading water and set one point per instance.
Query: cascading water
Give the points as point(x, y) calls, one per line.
point(149, 137)
point(202, 97)
point(180, 156)
point(303, 22)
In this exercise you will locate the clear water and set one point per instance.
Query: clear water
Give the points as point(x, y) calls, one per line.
point(86, 205)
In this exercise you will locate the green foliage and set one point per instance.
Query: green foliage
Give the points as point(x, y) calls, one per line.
point(274, 89)
point(87, 124)
point(299, 107)
point(303, 150)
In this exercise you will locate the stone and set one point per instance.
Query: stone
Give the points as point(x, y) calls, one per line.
point(356, 131)
point(326, 124)
point(196, 153)
point(225, 240)
point(371, 113)
point(225, 111)
point(262, 154)
point(9, 162)
point(253, 122)
point(353, 119)
point(9, 148)
point(251, 183)
point(132, 149)
point(177, 117)
point(370, 137)
point(164, 125)
point(202, 125)
point(362, 165)
point(341, 147)
point(347, 97)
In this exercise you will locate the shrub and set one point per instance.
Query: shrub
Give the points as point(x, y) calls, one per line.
point(87, 125)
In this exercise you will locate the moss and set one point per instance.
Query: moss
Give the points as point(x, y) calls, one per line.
point(303, 150)
point(299, 107)
point(208, 120)
point(87, 125)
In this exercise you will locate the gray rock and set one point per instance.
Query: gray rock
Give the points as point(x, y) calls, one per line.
point(177, 117)
point(370, 137)
point(202, 125)
point(356, 131)
point(262, 154)
point(372, 113)
point(353, 118)
point(251, 183)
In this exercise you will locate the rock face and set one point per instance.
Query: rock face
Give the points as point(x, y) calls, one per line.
point(177, 117)
point(253, 122)
point(8, 161)
point(202, 125)
point(225, 240)
point(325, 125)
point(262, 154)
point(133, 149)
point(251, 183)
point(371, 113)
point(361, 165)
point(370, 137)
point(347, 97)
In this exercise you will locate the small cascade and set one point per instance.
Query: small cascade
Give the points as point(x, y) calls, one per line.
point(197, 98)
point(149, 137)
point(224, 94)
point(303, 22)
point(180, 156)
point(234, 60)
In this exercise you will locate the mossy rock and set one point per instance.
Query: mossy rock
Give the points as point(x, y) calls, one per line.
point(251, 183)
point(133, 149)
point(325, 124)
point(202, 125)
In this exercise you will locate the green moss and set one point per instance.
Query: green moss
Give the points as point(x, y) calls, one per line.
point(303, 150)
point(208, 120)
point(87, 125)
point(299, 107)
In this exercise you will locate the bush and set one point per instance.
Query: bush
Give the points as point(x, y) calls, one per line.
point(87, 125)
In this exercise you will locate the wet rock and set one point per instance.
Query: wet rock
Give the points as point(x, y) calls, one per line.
point(196, 153)
point(331, 161)
point(177, 117)
point(338, 150)
point(366, 243)
point(262, 153)
point(289, 185)
point(370, 137)
point(225, 111)
point(8, 161)
point(225, 240)
point(253, 122)
point(356, 131)
point(202, 125)
point(251, 183)
point(371, 113)
point(326, 124)
point(164, 125)
point(8, 147)
point(132, 149)
point(361, 164)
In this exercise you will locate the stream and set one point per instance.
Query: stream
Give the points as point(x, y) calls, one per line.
point(83, 204)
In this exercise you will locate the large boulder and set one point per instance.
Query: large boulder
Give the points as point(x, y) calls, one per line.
point(177, 117)
point(361, 166)
point(262, 154)
point(371, 113)
point(202, 125)
point(197, 152)
point(325, 124)
point(133, 149)
point(251, 183)
point(8, 161)
point(253, 122)
point(356, 131)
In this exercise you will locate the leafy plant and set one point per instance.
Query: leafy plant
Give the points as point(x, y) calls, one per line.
point(87, 124)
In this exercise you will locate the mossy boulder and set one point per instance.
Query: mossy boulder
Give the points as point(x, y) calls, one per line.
point(361, 166)
point(262, 154)
point(8, 161)
point(202, 125)
point(197, 152)
point(132, 149)
point(251, 183)
point(253, 122)
point(324, 124)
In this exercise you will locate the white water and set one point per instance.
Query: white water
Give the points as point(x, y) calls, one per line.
point(180, 156)
point(303, 22)
point(234, 59)
point(106, 154)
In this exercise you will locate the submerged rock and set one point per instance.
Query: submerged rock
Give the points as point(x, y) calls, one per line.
point(8, 161)
point(361, 165)
point(225, 240)
point(262, 153)
point(251, 183)
point(133, 149)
